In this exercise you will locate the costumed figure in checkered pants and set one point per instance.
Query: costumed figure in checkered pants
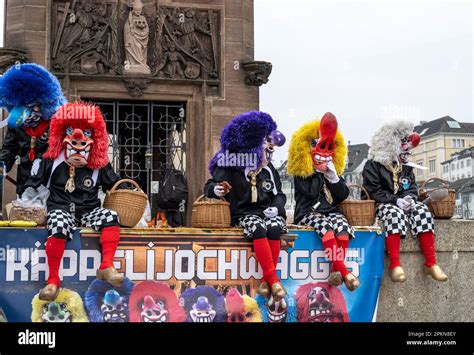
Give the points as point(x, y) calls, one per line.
point(75, 166)
point(390, 181)
point(317, 159)
point(242, 172)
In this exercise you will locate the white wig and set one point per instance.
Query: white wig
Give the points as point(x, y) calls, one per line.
point(386, 142)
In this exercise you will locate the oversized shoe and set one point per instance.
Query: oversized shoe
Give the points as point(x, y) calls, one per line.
point(352, 283)
point(436, 273)
point(264, 289)
point(335, 279)
point(278, 291)
point(49, 293)
point(398, 274)
point(111, 276)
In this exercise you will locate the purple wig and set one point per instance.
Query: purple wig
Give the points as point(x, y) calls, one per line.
point(246, 133)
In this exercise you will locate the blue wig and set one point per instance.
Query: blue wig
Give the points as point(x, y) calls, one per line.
point(193, 296)
point(291, 309)
point(246, 133)
point(98, 289)
point(27, 84)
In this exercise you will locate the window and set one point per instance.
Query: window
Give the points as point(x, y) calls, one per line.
point(454, 125)
point(463, 176)
point(424, 132)
point(453, 166)
point(462, 165)
point(459, 143)
point(468, 163)
point(420, 172)
point(432, 165)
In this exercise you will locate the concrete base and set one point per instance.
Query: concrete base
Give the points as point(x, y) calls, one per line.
point(420, 298)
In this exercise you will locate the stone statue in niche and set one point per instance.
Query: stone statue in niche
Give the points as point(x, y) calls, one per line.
point(136, 35)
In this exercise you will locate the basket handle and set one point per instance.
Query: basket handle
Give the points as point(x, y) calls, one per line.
point(359, 187)
point(443, 182)
point(124, 181)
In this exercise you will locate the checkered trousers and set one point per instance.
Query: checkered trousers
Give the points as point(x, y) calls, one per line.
point(323, 223)
point(397, 221)
point(63, 223)
point(251, 223)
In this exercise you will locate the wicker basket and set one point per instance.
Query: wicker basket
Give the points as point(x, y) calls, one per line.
point(129, 204)
point(360, 213)
point(211, 213)
point(440, 209)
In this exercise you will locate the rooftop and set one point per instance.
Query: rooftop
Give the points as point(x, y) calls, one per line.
point(466, 153)
point(444, 125)
point(357, 154)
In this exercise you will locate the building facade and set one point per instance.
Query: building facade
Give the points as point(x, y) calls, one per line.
point(358, 156)
point(460, 166)
point(441, 139)
point(167, 74)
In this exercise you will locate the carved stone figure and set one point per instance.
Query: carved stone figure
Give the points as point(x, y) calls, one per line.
point(258, 72)
point(136, 35)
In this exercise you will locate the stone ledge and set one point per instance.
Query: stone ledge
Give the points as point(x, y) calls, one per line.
point(451, 235)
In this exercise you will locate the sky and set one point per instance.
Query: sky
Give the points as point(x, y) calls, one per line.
point(366, 61)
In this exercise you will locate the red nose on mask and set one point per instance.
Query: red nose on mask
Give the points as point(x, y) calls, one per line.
point(78, 134)
point(149, 303)
point(415, 140)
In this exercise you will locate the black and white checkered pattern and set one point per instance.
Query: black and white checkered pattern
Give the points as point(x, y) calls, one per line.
point(251, 223)
point(63, 223)
point(99, 219)
point(396, 220)
point(323, 223)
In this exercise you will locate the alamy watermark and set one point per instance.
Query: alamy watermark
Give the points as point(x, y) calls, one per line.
point(231, 160)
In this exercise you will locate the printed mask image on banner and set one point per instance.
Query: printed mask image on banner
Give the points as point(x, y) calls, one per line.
point(155, 302)
point(204, 277)
point(107, 304)
point(67, 308)
point(320, 303)
point(204, 305)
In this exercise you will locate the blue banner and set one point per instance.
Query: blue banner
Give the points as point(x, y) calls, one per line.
point(186, 269)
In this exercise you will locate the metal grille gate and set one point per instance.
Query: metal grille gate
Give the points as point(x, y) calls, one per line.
point(146, 139)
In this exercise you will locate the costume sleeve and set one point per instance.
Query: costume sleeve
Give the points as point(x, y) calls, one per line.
point(339, 191)
point(309, 187)
point(108, 178)
point(413, 190)
point(372, 182)
point(40, 174)
point(220, 175)
point(10, 149)
point(279, 200)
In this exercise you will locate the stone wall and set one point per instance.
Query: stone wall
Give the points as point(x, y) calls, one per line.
point(421, 299)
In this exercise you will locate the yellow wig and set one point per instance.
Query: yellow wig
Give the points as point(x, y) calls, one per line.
point(252, 310)
point(72, 300)
point(300, 162)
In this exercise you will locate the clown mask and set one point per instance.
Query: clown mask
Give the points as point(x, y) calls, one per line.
point(203, 311)
point(323, 148)
point(78, 144)
point(277, 310)
point(274, 139)
point(321, 309)
point(407, 144)
point(114, 308)
point(153, 311)
point(56, 313)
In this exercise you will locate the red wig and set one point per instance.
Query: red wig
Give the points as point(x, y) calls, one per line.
point(159, 292)
point(80, 115)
